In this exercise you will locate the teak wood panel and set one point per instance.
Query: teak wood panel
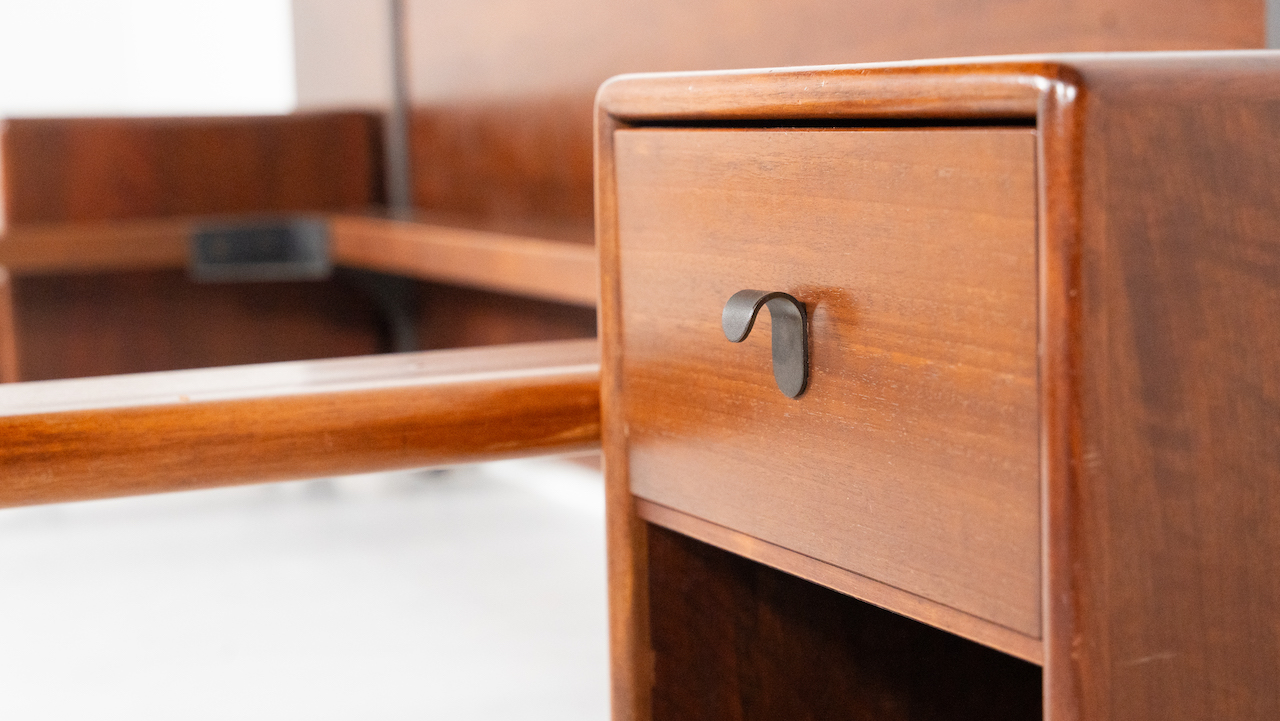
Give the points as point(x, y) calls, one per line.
point(504, 158)
point(95, 195)
point(548, 260)
point(912, 458)
point(861, 587)
point(527, 263)
point(501, 90)
point(489, 49)
point(70, 326)
point(1178, 507)
point(78, 169)
point(100, 246)
point(102, 297)
point(453, 317)
point(8, 330)
point(735, 640)
point(1158, 221)
point(147, 433)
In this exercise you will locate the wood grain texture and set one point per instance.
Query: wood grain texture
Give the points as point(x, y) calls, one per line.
point(1158, 355)
point(82, 169)
point(101, 324)
point(453, 317)
point(630, 649)
point(96, 246)
point(103, 297)
point(120, 196)
point(917, 438)
point(952, 90)
point(8, 331)
point(1179, 477)
point(491, 49)
point(501, 89)
point(519, 261)
point(506, 158)
point(736, 640)
point(862, 588)
point(1058, 161)
point(95, 438)
point(549, 260)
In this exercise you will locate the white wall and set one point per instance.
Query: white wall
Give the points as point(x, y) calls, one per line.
point(342, 51)
point(145, 57)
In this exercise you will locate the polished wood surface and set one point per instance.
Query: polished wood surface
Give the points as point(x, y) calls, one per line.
point(96, 246)
point(1157, 223)
point(501, 91)
point(520, 261)
point(453, 317)
point(514, 157)
point(861, 587)
point(736, 640)
point(101, 324)
point(120, 196)
point(549, 260)
point(914, 252)
point(494, 49)
point(94, 438)
point(118, 283)
point(82, 169)
point(8, 338)
point(1179, 395)
point(631, 659)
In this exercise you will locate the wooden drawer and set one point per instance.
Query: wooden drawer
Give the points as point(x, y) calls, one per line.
point(912, 457)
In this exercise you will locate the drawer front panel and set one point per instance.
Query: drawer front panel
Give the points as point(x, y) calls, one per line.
point(912, 457)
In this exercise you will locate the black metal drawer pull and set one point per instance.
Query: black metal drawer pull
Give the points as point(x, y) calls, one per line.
point(790, 334)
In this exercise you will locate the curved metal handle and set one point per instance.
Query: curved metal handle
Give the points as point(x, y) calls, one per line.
point(790, 334)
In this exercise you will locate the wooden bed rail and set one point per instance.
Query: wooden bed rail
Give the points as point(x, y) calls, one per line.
point(94, 195)
point(153, 432)
point(556, 263)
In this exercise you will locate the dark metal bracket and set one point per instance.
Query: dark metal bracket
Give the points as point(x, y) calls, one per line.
point(790, 333)
point(260, 250)
point(397, 301)
point(288, 249)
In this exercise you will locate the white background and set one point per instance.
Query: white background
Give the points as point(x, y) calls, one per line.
point(146, 57)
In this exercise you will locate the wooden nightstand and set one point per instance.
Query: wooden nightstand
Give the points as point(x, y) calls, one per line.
point(1042, 404)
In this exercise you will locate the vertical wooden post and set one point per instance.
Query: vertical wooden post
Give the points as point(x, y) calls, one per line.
point(8, 334)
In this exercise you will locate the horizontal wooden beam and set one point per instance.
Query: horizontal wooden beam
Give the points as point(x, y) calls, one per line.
point(96, 246)
point(533, 262)
point(59, 170)
point(153, 432)
point(477, 257)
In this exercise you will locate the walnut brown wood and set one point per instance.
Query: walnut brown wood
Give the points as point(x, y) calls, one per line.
point(86, 287)
point(77, 325)
point(487, 51)
point(96, 438)
point(85, 169)
point(552, 261)
point(8, 331)
point(1157, 271)
point(801, 651)
point(501, 122)
point(526, 262)
point(809, 568)
point(108, 204)
point(914, 251)
point(501, 93)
